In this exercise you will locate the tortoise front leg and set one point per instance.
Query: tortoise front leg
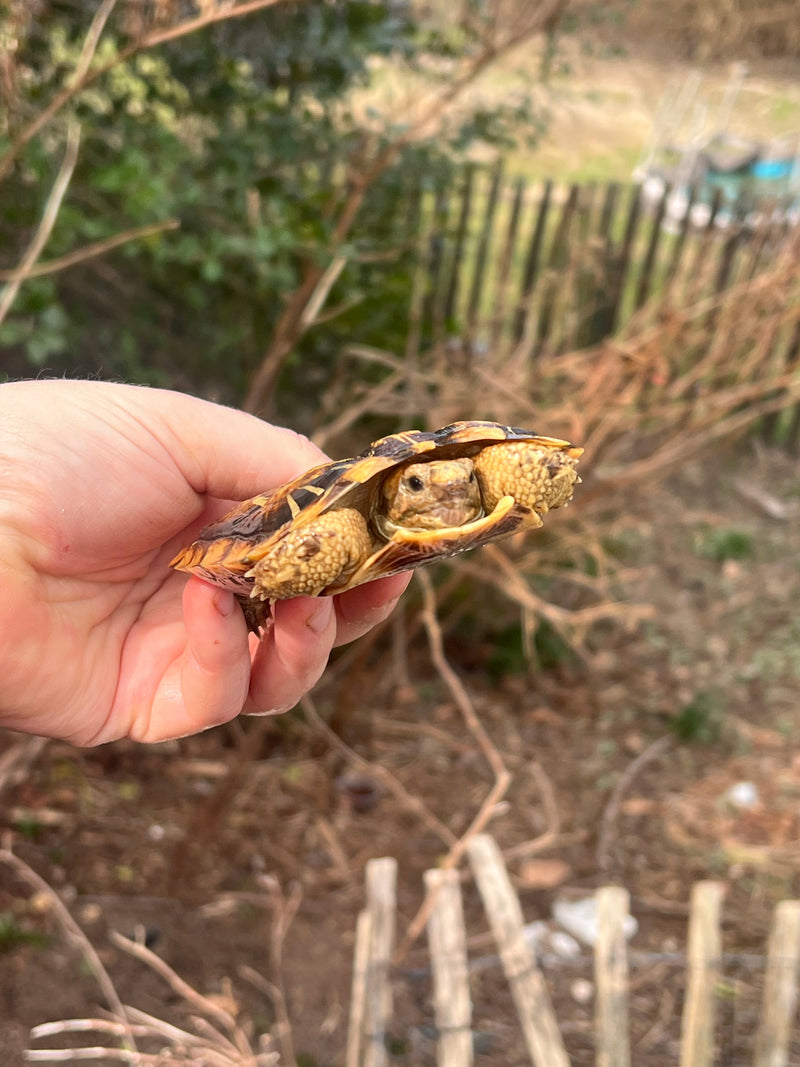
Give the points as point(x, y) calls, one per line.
point(312, 556)
point(537, 477)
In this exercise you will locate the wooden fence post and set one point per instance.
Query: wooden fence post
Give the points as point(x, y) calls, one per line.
point(704, 958)
point(780, 987)
point(679, 245)
point(381, 879)
point(703, 244)
point(532, 1000)
point(448, 946)
point(621, 262)
point(499, 315)
point(600, 321)
point(461, 236)
point(611, 979)
point(358, 990)
point(482, 254)
point(532, 263)
point(433, 314)
point(557, 262)
point(644, 285)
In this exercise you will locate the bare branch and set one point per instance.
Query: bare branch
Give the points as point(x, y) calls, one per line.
point(91, 251)
point(295, 320)
point(653, 751)
point(49, 217)
point(182, 988)
point(493, 758)
point(395, 787)
point(84, 76)
point(92, 41)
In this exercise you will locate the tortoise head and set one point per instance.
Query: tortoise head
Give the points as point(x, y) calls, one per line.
point(436, 495)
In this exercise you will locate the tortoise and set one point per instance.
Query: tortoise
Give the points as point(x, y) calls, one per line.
point(408, 499)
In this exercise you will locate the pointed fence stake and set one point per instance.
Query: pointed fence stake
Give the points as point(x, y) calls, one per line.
point(780, 987)
point(448, 946)
point(532, 1000)
point(381, 879)
point(704, 958)
point(358, 990)
point(611, 979)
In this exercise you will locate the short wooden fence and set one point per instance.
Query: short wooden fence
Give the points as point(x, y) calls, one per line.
point(567, 266)
point(775, 1044)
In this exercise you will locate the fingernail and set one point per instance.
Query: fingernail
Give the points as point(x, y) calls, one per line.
point(373, 616)
point(320, 617)
point(389, 606)
point(224, 603)
point(272, 711)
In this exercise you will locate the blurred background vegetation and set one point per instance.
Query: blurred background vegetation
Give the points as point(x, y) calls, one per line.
point(289, 148)
point(248, 133)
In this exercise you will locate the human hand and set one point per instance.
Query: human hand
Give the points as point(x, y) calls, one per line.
point(100, 486)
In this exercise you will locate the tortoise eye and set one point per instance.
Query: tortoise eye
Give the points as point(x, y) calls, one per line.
point(415, 483)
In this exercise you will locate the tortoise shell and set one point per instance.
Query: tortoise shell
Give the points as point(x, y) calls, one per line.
point(236, 551)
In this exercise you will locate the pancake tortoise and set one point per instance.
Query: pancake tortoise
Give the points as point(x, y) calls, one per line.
point(410, 498)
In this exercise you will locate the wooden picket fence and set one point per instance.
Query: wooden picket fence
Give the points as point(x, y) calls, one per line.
point(498, 259)
point(775, 1043)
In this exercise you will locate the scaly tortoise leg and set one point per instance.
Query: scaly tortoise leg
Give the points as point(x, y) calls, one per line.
point(311, 557)
point(538, 478)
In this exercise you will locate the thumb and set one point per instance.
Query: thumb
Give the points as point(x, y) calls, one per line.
point(223, 452)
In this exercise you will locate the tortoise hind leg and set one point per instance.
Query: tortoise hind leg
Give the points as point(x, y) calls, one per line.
point(312, 556)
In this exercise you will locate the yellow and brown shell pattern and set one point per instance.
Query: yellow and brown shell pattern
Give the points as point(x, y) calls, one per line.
point(332, 528)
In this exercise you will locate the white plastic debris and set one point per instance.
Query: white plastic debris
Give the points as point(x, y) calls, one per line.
point(580, 918)
point(564, 945)
point(582, 990)
point(545, 941)
point(743, 795)
point(535, 934)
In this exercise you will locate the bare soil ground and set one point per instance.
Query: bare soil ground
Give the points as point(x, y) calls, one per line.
point(176, 837)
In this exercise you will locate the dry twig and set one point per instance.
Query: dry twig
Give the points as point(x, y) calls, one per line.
point(457, 687)
point(91, 251)
point(76, 936)
point(551, 814)
point(284, 910)
point(183, 990)
point(501, 773)
point(376, 770)
point(654, 751)
point(45, 227)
